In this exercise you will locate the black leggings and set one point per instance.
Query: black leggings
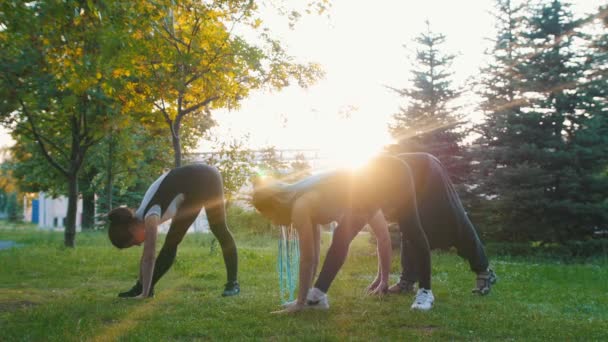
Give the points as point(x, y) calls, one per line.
point(216, 215)
point(343, 235)
point(418, 258)
point(444, 220)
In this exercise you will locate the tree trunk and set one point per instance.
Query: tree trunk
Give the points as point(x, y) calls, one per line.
point(110, 179)
point(70, 220)
point(177, 148)
point(88, 210)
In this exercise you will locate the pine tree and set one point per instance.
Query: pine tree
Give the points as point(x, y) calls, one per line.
point(545, 150)
point(594, 144)
point(597, 60)
point(503, 99)
point(428, 123)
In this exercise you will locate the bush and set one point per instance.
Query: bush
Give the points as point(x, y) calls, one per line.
point(247, 221)
point(13, 208)
point(569, 250)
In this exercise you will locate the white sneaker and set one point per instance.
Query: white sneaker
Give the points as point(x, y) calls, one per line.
point(316, 299)
point(424, 300)
point(290, 303)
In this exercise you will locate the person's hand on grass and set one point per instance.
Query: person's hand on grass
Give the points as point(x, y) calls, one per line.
point(373, 285)
point(140, 296)
point(290, 308)
point(377, 288)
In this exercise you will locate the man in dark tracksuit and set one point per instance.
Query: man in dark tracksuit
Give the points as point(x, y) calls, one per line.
point(444, 221)
point(178, 195)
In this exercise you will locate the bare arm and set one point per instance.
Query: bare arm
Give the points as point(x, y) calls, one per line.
point(302, 222)
point(148, 257)
point(316, 248)
point(380, 228)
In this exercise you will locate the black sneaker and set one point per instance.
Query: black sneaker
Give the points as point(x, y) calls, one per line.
point(493, 277)
point(484, 282)
point(231, 288)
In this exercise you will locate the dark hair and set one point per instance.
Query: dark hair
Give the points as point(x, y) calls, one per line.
point(121, 219)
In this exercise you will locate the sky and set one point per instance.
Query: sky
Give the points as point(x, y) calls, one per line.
point(363, 46)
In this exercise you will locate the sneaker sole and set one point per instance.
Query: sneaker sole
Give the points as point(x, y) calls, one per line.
point(481, 292)
point(316, 307)
point(421, 309)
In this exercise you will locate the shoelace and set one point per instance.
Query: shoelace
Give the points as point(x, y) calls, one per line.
point(422, 296)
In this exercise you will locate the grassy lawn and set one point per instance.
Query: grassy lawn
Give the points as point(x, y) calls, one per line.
point(54, 294)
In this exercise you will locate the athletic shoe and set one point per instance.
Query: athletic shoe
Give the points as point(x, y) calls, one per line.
point(424, 300)
point(484, 282)
point(493, 276)
point(231, 288)
point(316, 299)
point(402, 287)
point(291, 302)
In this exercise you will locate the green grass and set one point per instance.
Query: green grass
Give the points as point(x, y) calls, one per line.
point(51, 293)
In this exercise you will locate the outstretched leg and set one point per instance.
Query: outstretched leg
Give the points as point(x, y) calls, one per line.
point(217, 223)
point(416, 240)
point(179, 226)
point(409, 272)
point(470, 247)
point(343, 235)
point(216, 215)
point(467, 242)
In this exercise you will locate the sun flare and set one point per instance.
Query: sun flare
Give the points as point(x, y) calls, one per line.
point(355, 144)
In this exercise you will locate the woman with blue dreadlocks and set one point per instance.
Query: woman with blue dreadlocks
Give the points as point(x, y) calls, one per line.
point(352, 199)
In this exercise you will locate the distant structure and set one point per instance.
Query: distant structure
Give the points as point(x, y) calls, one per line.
point(49, 212)
point(313, 156)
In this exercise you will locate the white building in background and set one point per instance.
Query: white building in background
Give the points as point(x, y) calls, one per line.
point(50, 213)
point(200, 225)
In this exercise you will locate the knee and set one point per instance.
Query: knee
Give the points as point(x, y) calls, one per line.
point(339, 246)
point(221, 232)
point(167, 252)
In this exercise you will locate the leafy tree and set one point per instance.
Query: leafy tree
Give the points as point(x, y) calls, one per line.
point(428, 123)
point(193, 60)
point(13, 209)
point(235, 163)
point(9, 189)
point(271, 163)
point(126, 162)
point(7, 180)
point(300, 168)
point(57, 80)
